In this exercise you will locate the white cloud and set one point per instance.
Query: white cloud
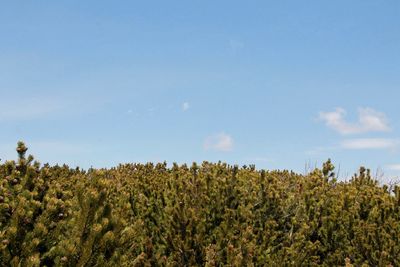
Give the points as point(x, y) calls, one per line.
point(369, 120)
point(393, 167)
point(370, 143)
point(185, 106)
point(219, 142)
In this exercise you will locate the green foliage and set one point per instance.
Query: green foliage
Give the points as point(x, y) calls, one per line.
point(208, 215)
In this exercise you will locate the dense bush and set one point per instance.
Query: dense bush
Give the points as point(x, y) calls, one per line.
point(212, 215)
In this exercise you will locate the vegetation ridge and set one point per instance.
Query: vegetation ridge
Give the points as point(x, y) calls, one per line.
point(211, 214)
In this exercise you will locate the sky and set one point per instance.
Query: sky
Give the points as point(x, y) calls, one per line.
point(279, 84)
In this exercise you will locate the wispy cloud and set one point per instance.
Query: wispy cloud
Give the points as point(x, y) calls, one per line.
point(132, 112)
point(370, 143)
point(219, 142)
point(369, 120)
point(185, 106)
point(235, 46)
point(47, 151)
point(57, 147)
point(260, 159)
point(320, 150)
point(31, 108)
point(393, 167)
point(357, 144)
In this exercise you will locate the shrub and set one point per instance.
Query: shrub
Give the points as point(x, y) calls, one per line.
point(208, 215)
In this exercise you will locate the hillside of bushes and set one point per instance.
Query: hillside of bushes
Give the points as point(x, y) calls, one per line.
point(211, 214)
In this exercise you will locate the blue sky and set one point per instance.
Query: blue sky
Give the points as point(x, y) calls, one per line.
point(281, 84)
